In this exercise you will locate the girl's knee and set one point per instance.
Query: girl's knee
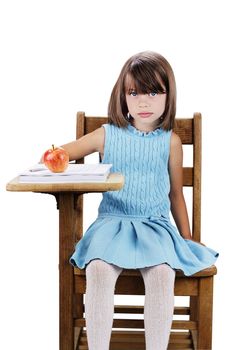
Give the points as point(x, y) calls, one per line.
point(164, 269)
point(100, 270)
point(158, 274)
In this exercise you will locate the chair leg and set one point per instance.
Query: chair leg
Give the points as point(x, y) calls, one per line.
point(193, 308)
point(66, 277)
point(204, 313)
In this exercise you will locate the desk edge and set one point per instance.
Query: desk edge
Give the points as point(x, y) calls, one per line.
point(109, 185)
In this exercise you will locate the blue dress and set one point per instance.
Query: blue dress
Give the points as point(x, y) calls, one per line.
point(133, 228)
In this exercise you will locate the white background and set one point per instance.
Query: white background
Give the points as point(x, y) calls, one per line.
point(58, 57)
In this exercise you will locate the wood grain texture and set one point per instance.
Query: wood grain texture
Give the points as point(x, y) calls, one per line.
point(66, 286)
point(135, 340)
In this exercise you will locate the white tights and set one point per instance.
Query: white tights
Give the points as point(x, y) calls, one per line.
point(99, 304)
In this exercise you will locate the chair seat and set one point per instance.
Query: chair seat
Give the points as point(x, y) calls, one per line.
point(210, 271)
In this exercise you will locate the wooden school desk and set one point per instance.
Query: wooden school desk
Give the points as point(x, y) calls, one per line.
point(67, 195)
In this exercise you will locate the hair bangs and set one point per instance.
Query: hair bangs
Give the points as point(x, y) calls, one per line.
point(144, 79)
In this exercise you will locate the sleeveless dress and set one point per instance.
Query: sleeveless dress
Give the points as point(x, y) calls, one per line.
point(133, 228)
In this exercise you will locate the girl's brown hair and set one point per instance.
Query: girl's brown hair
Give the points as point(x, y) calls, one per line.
point(150, 72)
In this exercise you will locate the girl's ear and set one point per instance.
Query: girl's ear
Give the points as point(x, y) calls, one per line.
point(161, 119)
point(128, 116)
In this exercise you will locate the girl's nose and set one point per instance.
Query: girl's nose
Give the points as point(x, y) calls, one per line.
point(143, 101)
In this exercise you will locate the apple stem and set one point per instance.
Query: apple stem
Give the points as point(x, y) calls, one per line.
point(53, 147)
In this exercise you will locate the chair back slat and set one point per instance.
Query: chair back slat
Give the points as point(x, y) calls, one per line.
point(187, 176)
point(184, 128)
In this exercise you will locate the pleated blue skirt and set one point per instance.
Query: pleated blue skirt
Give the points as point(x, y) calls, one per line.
point(134, 242)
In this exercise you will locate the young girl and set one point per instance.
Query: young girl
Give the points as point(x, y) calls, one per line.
point(133, 228)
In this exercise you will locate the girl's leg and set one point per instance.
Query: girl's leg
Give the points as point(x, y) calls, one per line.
point(99, 303)
point(159, 305)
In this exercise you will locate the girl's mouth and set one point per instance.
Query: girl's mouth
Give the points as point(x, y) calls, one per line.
point(145, 114)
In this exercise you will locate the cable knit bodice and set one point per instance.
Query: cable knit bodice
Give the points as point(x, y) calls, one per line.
point(142, 157)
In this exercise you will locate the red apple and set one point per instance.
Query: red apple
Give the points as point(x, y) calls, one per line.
point(56, 159)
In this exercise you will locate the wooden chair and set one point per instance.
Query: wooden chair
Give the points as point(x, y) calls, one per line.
point(194, 331)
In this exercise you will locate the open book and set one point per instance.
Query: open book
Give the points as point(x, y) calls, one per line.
point(39, 173)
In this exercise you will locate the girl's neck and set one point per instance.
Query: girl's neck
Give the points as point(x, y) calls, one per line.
point(144, 127)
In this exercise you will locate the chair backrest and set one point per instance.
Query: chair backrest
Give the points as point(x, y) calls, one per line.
point(189, 130)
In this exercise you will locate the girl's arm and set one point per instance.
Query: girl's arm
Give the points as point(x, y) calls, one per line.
point(87, 144)
point(178, 205)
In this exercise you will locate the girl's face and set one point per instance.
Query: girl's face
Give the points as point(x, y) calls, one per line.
point(145, 109)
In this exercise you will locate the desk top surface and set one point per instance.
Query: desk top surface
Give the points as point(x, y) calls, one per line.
point(114, 182)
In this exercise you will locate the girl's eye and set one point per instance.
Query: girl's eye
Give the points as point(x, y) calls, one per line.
point(153, 93)
point(133, 93)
